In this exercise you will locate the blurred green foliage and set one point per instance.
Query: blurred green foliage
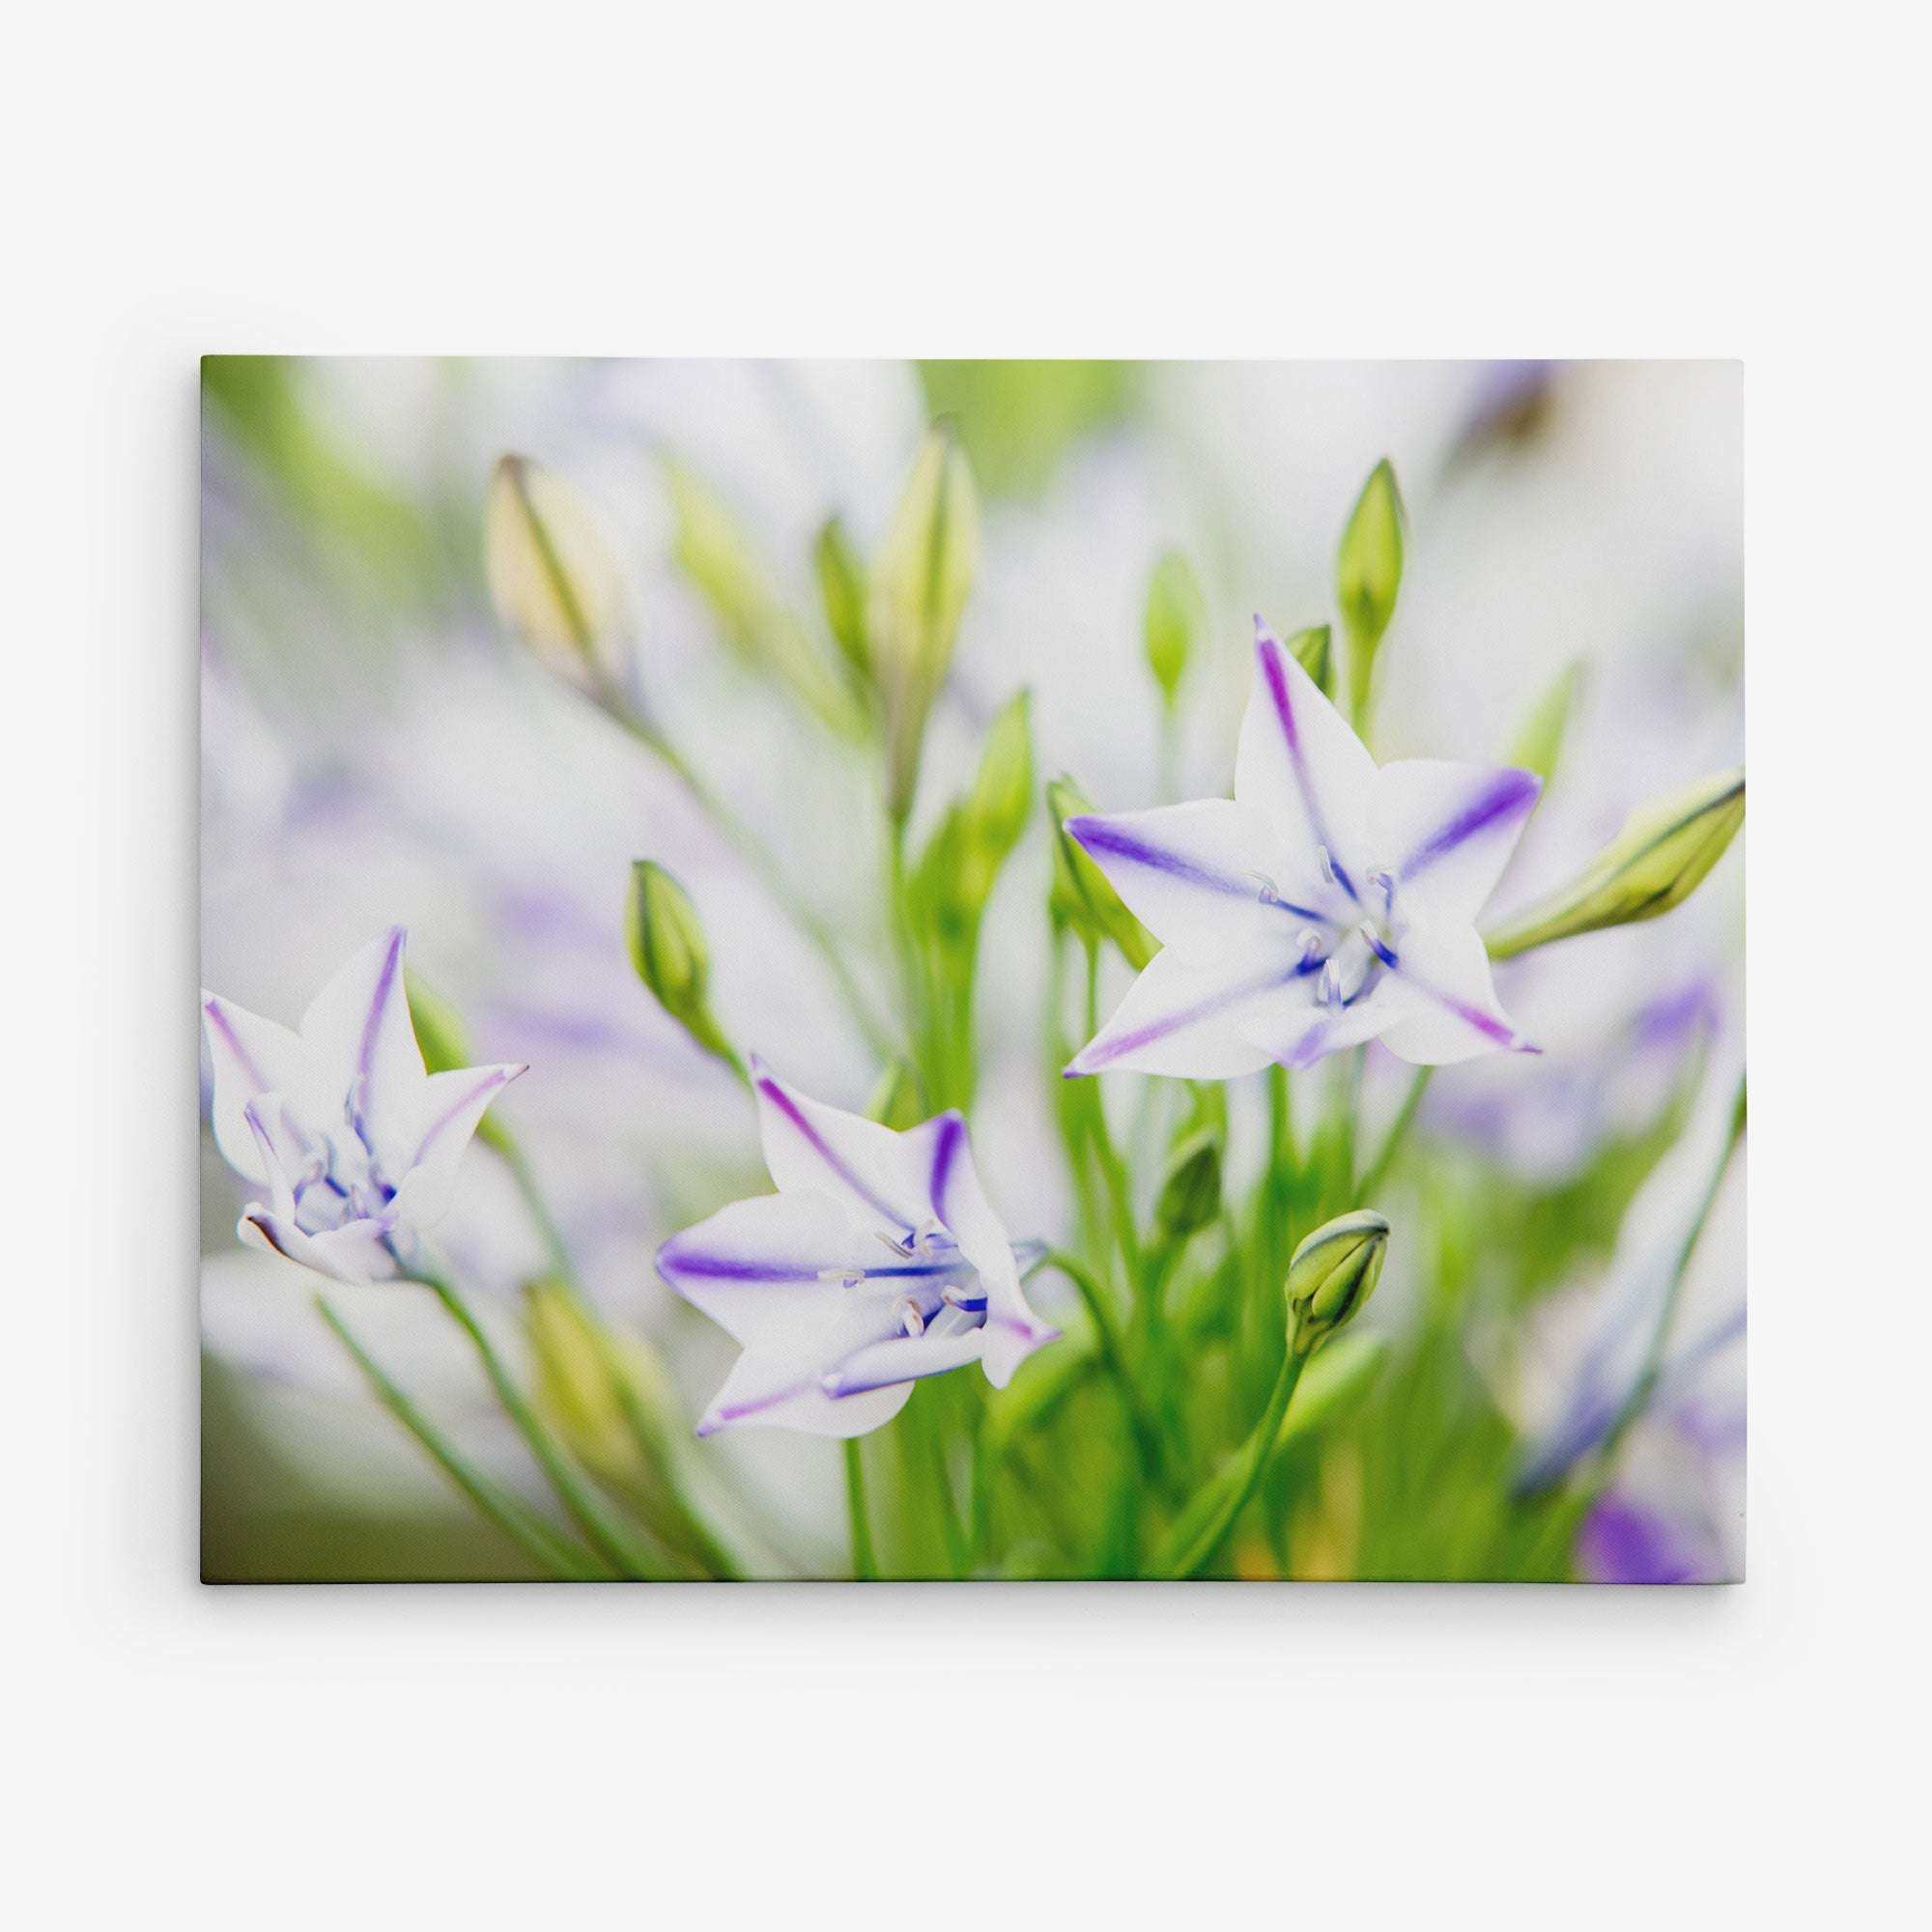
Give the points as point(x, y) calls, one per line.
point(1020, 419)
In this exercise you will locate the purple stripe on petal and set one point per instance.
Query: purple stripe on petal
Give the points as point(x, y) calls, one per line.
point(219, 1018)
point(1508, 795)
point(1092, 1057)
point(723, 1267)
point(1097, 835)
point(386, 981)
point(738, 1410)
point(498, 1076)
point(826, 1152)
point(1273, 659)
point(946, 1151)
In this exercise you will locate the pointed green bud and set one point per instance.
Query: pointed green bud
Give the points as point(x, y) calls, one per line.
point(1173, 619)
point(584, 1372)
point(1368, 574)
point(668, 950)
point(1001, 794)
point(1081, 901)
point(918, 589)
point(552, 579)
point(899, 1100)
point(440, 1029)
point(1190, 1196)
point(725, 567)
point(1333, 1274)
point(1311, 650)
point(1540, 743)
point(841, 588)
point(1655, 863)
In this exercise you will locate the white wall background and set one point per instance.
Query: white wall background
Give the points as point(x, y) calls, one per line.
point(1682, 180)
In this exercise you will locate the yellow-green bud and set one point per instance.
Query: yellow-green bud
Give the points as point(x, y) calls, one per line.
point(1002, 793)
point(723, 565)
point(584, 1371)
point(1368, 574)
point(1190, 1196)
point(552, 579)
point(440, 1029)
point(1081, 901)
point(841, 588)
point(1655, 863)
point(668, 950)
point(1333, 1272)
point(1540, 743)
point(899, 1100)
point(1172, 621)
point(918, 589)
point(1311, 650)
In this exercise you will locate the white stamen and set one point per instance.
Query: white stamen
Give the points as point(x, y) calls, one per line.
point(841, 1277)
point(1331, 984)
point(911, 1320)
point(1326, 863)
point(1311, 943)
point(1266, 889)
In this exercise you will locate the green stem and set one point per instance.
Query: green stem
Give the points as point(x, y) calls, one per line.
point(606, 1535)
point(1203, 1523)
point(1113, 1171)
point(1379, 1168)
point(514, 1517)
point(1094, 1297)
point(763, 863)
point(864, 1563)
point(1651, 1369)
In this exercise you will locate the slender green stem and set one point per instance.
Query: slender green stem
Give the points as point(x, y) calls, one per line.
point(1113, 1171)
point(1107, 1335)
point(1379, 1168)
point(510, 1514)
point(1200, 1528)
point(864, 1563)
point(606, 1535)
point(1651, 1369)
point(763, 863)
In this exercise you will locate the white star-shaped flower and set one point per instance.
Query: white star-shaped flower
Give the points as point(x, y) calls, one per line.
point(1328, 903)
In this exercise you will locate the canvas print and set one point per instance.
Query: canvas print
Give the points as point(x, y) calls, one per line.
point(972, 971)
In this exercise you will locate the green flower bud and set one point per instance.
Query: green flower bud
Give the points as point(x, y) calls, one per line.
point(552, 579)
point(1190, 1196)
point(1174, 619)
point(1368, 572)
point(1311, 650)
point(440, 1029)
point(841, 588)
point(724, 566)
point(918, 589)
point(584, 1372)
point(668, 950)
point(1081, 901)
point(1333, 1274)
point(1540, 742)
point(1655, 863)
point(1001, 794)
point(899, 1100)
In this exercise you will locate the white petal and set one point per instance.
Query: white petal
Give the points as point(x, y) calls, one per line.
point(869, 1171)
point(1304, 1036)
point(1446, 830)
point(779, 1272)
point(1443, 982)
point(451, 1107)
point(361, 1046)
point(250, 1056)
point(1202, 875)
point(902, 1359)
point(1193, 1020)
point(750, 1399)
point(1300, 768)
point(353, 1252)
point(1014, 1331)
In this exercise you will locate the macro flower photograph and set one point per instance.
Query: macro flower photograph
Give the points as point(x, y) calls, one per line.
point(960, 971)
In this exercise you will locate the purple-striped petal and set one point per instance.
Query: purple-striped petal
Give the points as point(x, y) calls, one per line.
point(1446, 830)
point(1447, 998)
point(1302, 768)
point(362, 1049)
point(250, 1056)
point(811, 1148)
point(452, 1108)
point(1194, 1020)
point(1203, 876)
